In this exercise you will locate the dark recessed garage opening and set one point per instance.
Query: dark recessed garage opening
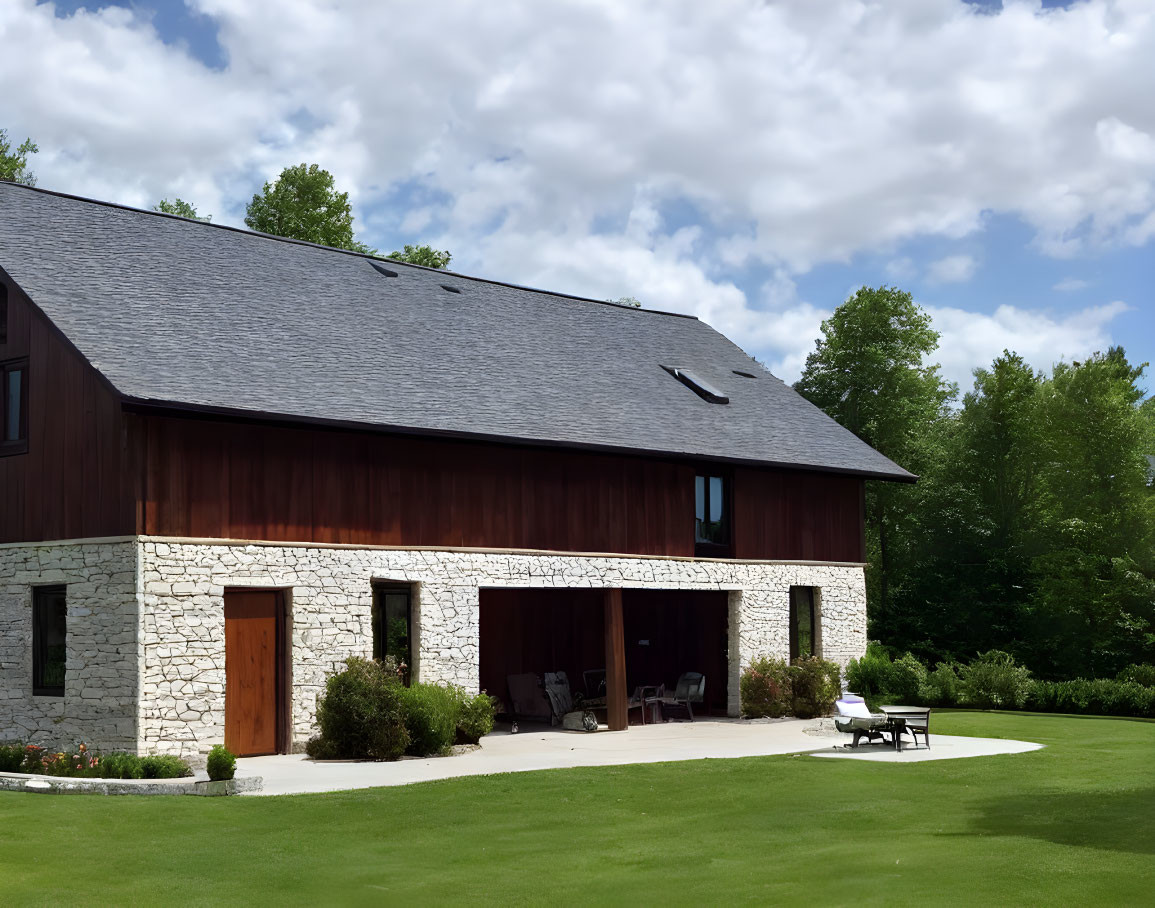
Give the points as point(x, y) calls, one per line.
point(666, 633)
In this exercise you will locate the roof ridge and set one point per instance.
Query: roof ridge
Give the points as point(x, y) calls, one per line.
point(372, 258)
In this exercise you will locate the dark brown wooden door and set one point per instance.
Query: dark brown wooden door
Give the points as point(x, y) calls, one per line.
point(253, 656)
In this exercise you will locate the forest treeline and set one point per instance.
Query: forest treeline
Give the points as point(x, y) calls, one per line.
point(1032, 526)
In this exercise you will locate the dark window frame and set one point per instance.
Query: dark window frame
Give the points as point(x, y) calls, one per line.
point(380, 637)
point(811, 608)
point(718, 547)
point(3, 313)
point(17, 445)
point(44, 598)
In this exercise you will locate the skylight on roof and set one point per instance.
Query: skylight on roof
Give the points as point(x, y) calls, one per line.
point(450, 288)
point(385, 271)
point(698, 385)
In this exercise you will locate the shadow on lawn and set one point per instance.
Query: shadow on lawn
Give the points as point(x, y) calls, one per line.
point(1113, 821)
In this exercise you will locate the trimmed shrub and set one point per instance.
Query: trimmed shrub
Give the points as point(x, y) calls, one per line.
point(907, 678)
point(1138, 674)
point(943, 686)
point(1100, 696)
point(870, 676)
point(995, 681)
point(430, 713)
point(765, 688)
point(815, 684)
point(475, 716)
point(120, 766)
point(164, 766)
point(361, 715)
point(11, 757)
point(221, 764)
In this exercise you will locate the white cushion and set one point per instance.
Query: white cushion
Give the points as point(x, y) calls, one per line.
point(857, 710)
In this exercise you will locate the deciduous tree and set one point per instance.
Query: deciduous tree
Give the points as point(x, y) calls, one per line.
point(14, 164)
point(180, 207)
point(422, 255)
point(304, 204)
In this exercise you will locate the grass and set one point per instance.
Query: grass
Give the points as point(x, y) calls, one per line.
point(1069, 824)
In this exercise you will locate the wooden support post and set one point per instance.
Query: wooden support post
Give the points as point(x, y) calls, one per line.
point(617, 699)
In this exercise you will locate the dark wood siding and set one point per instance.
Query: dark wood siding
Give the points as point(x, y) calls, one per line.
point(249, 481)
point(797, 516)
point(70, 482)
point(219, 479)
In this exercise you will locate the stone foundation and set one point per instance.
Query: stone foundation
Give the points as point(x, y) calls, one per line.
point(99, 705)
point(163, 602)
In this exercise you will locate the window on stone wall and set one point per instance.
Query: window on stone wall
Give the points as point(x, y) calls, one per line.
point(49, 640)
point(803, 622)
point(392, 625)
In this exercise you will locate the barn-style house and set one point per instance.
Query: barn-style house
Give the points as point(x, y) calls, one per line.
point(230, 461)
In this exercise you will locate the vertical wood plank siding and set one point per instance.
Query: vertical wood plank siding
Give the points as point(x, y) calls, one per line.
point(71, 481)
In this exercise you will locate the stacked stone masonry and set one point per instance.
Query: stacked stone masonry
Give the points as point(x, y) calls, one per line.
point(146, 623)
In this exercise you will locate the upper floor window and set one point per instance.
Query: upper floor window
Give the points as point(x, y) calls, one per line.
point(711, 514)
point(14, 406)
point(3, 314)
point(49, 640)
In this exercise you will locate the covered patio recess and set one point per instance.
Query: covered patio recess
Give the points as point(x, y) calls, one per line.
point(609, 643)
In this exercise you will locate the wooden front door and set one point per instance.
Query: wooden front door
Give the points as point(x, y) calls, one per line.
point(254, 672)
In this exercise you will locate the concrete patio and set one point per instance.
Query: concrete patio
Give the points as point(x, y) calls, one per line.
point(541, 747)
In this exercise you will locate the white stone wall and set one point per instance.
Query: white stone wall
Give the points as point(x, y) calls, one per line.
point(99, 706)
point(330, 590)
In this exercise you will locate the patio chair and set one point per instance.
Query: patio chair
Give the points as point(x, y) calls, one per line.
point(691, 689)
point(854, 717)
point(528, 699)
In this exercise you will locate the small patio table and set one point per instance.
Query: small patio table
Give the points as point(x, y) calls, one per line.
point(900, 715)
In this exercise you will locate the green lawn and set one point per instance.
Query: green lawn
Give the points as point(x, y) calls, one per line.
point(1073, 823)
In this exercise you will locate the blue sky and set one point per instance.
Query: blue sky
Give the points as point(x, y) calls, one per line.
point(750, 163)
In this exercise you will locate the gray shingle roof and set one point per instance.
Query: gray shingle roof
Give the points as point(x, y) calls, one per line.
point(181, 312)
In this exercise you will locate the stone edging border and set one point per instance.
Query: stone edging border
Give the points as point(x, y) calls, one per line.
point(19, 781)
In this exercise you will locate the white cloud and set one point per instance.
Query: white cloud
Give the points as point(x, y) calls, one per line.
point(952, 269)
point(1071, 285)
point(569, 144)
point(971, 339)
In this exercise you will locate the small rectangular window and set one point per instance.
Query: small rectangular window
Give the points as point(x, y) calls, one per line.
point(3, 314)
point(802, 622)
point(49, 640)
point(392, 623)
point(14, 406)
point(711, 515)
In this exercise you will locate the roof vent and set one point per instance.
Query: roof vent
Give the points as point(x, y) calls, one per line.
point(385, 271)
point(743, 374)
point(698, 385)
point(450, 289)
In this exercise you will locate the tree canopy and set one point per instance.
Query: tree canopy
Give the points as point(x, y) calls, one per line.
point(304, 204)
point(14, 164)
point(422, 255)
point(1032, 527)
point(180, 207)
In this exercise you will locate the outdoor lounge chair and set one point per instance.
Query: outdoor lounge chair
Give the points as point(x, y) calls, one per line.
point(855, 718)
point(691, 689)
point(528, 700)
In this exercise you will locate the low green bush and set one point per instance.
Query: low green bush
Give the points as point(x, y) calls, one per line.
point(765, 688)
point(995, 681)
point(942, 687)
point(475, 716)
point(361, 715)
point(430, 712)
point(1099, 696)
point(164, 766)
point(1138, 674)
point(120, 766)
point(221, 764)
point(11, 757)
point(814, 684)
point(907, 678)
point(870, 676)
